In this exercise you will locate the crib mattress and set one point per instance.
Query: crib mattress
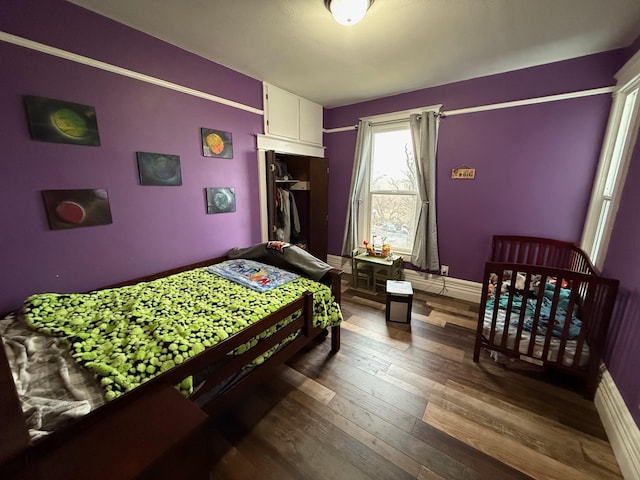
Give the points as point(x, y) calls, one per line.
point(526, 338)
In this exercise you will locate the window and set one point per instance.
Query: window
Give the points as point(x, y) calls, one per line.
point(614, 162)
point(391, 192)
point(384, 198)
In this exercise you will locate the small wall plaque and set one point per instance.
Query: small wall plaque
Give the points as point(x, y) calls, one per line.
point(465, 173)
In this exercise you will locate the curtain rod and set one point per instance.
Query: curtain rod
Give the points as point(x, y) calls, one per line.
point(400, 120)
point(384, 122)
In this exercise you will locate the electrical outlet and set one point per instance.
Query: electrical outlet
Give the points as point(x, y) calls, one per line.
point(444, 270)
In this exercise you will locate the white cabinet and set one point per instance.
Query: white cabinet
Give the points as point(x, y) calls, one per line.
point(289, 116)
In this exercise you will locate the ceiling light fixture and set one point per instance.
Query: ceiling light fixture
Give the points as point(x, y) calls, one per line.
point(348, 12)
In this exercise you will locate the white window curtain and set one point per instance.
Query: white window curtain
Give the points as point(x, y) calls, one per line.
point(361, 160)
point(424, 132)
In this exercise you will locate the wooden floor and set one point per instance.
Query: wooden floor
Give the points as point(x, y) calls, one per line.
point(407, 402)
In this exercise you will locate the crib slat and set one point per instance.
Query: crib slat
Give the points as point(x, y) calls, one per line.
point(523, 311)
point(550, 324)
point(496, 305)
point(542, 255)
point(536, 320)
point(568, 321)
point(507, 314)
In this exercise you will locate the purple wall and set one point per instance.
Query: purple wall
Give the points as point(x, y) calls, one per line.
point(534, 164)
point(60, 24)
point(622, 355)
point(154, 228)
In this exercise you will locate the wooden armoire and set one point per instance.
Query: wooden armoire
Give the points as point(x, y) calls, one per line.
point(304, 179)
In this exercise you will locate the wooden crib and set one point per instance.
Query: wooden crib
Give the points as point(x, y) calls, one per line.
point(545, 303)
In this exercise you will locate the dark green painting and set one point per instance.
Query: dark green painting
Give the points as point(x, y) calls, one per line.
point(221, 200)
point(59, 121)
point(159, 169)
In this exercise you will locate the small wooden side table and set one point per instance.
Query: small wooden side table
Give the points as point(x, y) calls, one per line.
point(389, 268)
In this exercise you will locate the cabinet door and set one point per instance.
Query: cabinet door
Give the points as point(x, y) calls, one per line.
point(271, 194)
point(310, 122)
point(318, 208)
point(282, 113)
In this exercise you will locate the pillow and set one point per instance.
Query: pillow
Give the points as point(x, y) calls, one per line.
point(252, 274)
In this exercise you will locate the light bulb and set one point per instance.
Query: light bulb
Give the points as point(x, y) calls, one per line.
point(348, 12)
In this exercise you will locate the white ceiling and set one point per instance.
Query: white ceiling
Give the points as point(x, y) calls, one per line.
point(400, 46)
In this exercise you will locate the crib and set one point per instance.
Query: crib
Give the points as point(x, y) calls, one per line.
point(545, 303)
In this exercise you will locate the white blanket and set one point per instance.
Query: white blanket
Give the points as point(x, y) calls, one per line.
point(40, 365)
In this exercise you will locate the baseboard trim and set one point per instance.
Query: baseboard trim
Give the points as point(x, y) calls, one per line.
point(426, 282)
point(623, 433)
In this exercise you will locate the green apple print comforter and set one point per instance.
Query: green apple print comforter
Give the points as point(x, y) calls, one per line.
point(126, 336)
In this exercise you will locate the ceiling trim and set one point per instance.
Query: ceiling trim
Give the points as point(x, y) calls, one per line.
point(531, 101)
point(57, 52)
point(483, 108)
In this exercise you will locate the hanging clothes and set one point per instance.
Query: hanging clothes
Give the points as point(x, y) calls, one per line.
point(295, 219)
point(287, 218)
point(283, 232)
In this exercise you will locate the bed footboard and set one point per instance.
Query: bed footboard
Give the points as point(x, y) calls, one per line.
point(98, 448)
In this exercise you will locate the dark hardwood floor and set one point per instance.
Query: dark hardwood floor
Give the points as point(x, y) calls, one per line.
point(405, 401)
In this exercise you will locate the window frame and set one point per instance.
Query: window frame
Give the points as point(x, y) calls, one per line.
point(368, 192)
point(615, 157)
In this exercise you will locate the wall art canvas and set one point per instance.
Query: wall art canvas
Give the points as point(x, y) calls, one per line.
point(61, 122)
point(216, 143)
point(159, 169)
point(221, 200)
point(77, 208)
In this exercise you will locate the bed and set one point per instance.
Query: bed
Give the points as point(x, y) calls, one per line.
point(189, 341)
point(544, 302)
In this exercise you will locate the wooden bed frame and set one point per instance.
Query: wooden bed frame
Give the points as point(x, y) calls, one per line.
point(593, 295)
point(153, 431)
